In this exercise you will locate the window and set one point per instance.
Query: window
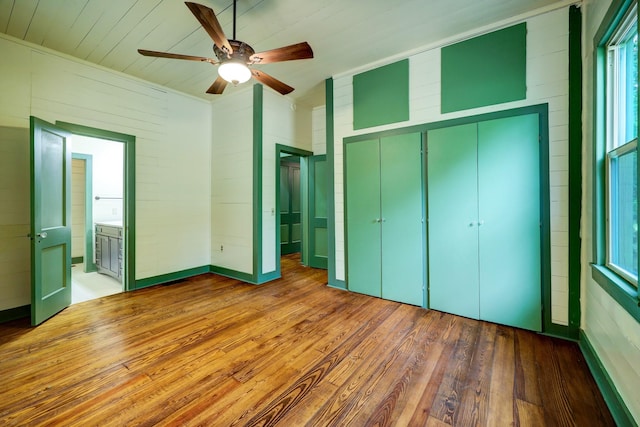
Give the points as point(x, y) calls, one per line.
point(622, 149)
point(615, 161)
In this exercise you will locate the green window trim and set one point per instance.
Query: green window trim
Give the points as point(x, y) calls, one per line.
point(620, 289)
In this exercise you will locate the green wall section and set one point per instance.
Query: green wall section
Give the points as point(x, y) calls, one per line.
point(331, 205)
point(485, 70)
point(381, 96)
point(575, 165)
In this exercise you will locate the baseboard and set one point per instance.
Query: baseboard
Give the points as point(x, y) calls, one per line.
point(616, 405)
point(15, 313)
point(338, 284)
point(561, 331)
point(233, 274)
point(267, 277)
point(170, 277)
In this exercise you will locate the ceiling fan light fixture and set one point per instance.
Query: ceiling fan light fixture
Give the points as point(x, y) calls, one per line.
point(234, 72)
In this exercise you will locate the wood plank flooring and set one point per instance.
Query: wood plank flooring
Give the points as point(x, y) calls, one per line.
point(213, 351)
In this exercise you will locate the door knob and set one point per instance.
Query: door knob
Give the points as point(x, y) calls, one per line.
point(42, 235)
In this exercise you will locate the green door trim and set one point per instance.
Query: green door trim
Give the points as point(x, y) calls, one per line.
point(89, 264)
point(129, 216)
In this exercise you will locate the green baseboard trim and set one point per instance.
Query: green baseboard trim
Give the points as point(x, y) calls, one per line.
point(561, 331)
point(267, 277)
point(15, 313)
point(77, 260)
point(338, 284)
point(170, 277)
point(616, 405)
point(233, 274)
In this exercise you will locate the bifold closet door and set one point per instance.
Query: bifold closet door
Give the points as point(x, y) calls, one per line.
point(509, 209)
point(484, 225)
point(452, 188)
point(385, 233)
point(362, 161)
point(402, 213)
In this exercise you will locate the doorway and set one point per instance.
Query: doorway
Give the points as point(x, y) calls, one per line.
point(50, 182)
point(291, 202)
point(290, 205)
point(97, 208)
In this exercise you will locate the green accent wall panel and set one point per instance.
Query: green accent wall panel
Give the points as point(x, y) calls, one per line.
point(363, 217)
point(452, 231)
point(485, 70)
point(381, 96)
point(402, 232)
point(509, 216)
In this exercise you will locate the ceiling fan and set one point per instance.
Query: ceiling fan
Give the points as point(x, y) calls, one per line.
point(235, 57)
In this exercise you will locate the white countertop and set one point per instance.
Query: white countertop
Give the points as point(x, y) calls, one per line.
point(114, 223)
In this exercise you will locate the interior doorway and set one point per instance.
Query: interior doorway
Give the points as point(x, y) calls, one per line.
point(292, 235)
point(97, 212)
point(290, 205)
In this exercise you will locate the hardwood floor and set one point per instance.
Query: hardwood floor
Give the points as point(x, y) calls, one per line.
point(214, 351)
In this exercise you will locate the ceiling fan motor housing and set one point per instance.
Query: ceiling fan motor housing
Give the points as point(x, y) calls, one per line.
point(241, 52)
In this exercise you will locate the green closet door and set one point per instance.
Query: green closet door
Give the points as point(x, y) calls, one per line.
point(452, 220)
point(362, 163)
point(402, 226)
point(509, 213)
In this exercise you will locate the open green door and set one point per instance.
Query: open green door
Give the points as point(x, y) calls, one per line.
point(50, 220)
point(318, 238)
point(290, 208)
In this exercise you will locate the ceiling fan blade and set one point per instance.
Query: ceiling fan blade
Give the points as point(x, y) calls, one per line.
point(286, 53)
point(175, 56)
point(273, 83)
point(209, 22)
point(218, 86)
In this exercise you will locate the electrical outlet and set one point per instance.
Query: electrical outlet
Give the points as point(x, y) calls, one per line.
point(221, 248)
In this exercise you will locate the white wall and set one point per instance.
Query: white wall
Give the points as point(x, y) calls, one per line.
point(15, 267)
point(173, 134)
point(614, 334)
point(547, 82)
point(319, 134)
point(232, 182)
point(107, 175)
point(284, 123)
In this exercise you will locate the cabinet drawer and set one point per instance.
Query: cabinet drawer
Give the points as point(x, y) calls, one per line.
point(109, 230)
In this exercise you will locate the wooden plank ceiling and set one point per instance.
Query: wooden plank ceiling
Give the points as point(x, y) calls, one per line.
point(344, 34)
